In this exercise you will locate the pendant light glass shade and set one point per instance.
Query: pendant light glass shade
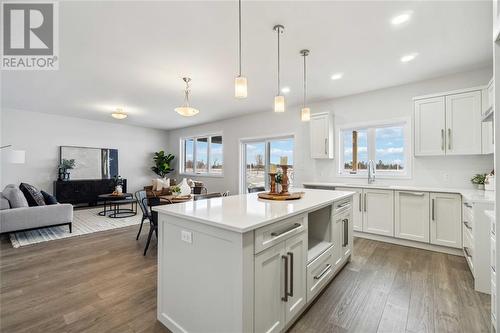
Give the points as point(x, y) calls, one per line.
point(186, 110)
point(279, 103)
point(240, 83)
point(305, 114)
point(240, 87)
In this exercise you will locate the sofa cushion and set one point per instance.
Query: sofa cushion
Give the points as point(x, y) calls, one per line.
point(48, 198)
point(15, 196)
point(4, 203)
point(34, 196)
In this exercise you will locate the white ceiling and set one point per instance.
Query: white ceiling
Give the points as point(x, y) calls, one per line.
point(133, 54)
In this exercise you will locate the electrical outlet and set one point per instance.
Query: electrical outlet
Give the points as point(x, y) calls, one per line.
point(187, 236)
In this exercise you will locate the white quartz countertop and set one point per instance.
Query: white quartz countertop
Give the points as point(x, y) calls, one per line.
point(246, 212)
point(470, 195)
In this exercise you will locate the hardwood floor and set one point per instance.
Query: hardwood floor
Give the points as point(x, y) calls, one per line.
point(102, 283)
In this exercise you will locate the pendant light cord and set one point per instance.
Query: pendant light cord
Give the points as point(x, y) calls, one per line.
point(239, 35)
point(278, 31)
point(305, 76)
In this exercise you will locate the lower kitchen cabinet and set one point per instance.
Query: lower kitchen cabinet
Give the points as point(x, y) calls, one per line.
point(446, 217)
point(411, 215)
point(378, 212)
point(280, 283)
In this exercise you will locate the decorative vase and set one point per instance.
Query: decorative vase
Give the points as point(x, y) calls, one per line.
point(66, 176)
point(119, 189)
point(480, 186)
point(185, 188)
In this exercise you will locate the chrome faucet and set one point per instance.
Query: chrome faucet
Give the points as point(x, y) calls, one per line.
point(371, 172)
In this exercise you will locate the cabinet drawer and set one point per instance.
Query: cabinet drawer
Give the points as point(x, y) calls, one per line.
point(468, 216)
point(467, 229)
point(341, 206)
point(319, 273)
point(272, 234)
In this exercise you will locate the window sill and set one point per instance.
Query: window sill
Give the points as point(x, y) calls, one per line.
point(207, 175)
point(377, 176)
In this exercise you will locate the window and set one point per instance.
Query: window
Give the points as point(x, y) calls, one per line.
point(259, 155)
point(202, 155)
point(388, 145)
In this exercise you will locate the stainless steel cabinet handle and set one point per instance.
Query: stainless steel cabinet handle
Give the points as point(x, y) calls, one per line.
point(442, 139)
point(323, 272)
point(467, 205)
point(415, 193)
point(365, 203)
point(326, 146)
point(292, 227)
point(291, 274)
point(285, 298)
point(343, 205)
point(467, 253)
point(449, 138)
point(493, 269)
point(432, 209)
point(467, 225)
point(345, 236)
point(360, 202)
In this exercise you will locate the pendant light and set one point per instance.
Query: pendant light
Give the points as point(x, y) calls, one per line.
point(240, 83)
point(279, 100)
point(186, 110)
point(305, 113)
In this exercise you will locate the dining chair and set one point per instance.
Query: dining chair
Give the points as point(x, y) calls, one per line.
point(146, 214)
point(207, 196)
point(153, 221)
point(256, 189)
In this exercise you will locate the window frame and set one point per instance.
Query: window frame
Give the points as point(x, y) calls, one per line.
point(266, 140)
point(182, 158)
point(370, 128)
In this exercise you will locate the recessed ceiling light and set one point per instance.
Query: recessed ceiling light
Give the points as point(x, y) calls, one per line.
point(401, 18)
point(409, 57)
point(285, 90)
point(337, 76)
point(119, 114)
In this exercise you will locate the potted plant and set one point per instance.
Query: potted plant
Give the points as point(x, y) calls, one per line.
point(176, 190)
point(64, 166)
point(479, 180)
point(162, 163)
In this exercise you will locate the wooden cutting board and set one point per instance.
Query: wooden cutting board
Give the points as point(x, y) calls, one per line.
point(281, 197)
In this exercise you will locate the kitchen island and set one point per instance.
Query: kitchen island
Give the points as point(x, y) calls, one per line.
point(243, 264)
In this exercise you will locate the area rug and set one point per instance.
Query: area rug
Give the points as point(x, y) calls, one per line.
point(85, 221)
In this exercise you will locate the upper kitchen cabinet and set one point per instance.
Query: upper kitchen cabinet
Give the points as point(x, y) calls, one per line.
point(448, 125)
point(322, 135)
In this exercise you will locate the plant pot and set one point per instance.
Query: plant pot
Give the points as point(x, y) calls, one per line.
point(480, 186)
point(185, 188)
point(66, 176)
point(119, 189)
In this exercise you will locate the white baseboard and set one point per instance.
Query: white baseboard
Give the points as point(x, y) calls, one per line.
point(410, 243)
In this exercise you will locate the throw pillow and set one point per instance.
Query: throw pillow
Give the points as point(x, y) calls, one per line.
point(34, 196)
point(4, 203)
point(15, 196)
point(48, 198)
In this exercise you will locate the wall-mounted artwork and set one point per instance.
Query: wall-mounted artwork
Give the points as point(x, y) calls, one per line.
point(91, 163)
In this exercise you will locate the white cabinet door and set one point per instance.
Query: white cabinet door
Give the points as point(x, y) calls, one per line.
point(321, 131)
point(357, 207)
point(378, 212)
point(411, 219)
point(429, 116)
point(487, 142)
point(269, 289)
point(296, 250)
point(337, 241)
point(446, 217)
point(463, 123)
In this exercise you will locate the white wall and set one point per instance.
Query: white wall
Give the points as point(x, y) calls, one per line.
point(40, 135)
point(384, 104)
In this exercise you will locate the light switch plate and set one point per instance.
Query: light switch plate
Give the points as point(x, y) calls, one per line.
point(187, 236)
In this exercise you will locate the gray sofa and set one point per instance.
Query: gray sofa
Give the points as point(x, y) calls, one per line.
point(27, 218)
